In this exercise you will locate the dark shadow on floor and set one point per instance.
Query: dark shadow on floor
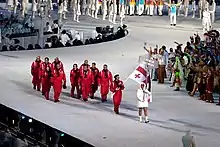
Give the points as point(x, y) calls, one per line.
point(196, 126)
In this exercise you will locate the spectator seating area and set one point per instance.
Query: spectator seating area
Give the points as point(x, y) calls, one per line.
point(65, 38)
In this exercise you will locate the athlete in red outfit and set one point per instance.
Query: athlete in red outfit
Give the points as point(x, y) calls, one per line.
point(74, 80)
point(35, 72)
point(105, 79)
point(95, 76)
point(43, 67)
point(58, 81)
point(46, 78)
point(116, 87)
point(85, 82)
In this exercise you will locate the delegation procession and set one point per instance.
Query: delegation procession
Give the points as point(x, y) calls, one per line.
point(109, 9)
point(85, 81)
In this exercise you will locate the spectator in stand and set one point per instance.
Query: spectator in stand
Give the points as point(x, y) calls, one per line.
point(55, 27)
point(77, 36)
point(64, 38)
point(48, 43)
point(21, 141)
point(48, 28)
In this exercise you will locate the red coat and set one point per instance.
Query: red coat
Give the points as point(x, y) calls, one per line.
point(35, 72)
point(104, 81)
point(59, 78)
point(95, 75)
point(81, 67)
point(74, 76)
point(210, 84)
point(35, 68)
point(46, 80)
point(43, 67)
point(61, 65)
point(117, 88)
point(85, 82)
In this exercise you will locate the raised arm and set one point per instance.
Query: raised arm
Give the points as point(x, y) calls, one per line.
point(178, 4)
point(165, 3)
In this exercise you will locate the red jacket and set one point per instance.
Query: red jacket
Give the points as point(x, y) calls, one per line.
point(95, 75)
point(81, 67)
point(86, 79)
point(35, 68)
point(43, 67)
point(59, 77)
point(61, 65)
point(116, 88)
point(105, 79)
point(74, 76)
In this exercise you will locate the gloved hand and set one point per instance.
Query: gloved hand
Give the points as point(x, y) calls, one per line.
point(64, 85)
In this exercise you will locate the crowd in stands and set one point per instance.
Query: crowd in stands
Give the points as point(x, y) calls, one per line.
point(9, 139)
point(195, 67)
point(58, 37)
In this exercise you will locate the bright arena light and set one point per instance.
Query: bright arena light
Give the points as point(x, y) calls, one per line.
point(30, 120)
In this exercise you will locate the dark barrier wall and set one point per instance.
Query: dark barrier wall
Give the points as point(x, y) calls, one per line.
point(15, 125)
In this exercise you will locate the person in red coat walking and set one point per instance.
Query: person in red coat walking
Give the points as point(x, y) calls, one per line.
point(105, 80)
point(57, 61)
point(116, 87)
point(58, 81)
point(95, 76)
point(43, 67)
point(85, 81)
point(35, 72)
point(86, 63)
point(74, 80)
point(46, 81)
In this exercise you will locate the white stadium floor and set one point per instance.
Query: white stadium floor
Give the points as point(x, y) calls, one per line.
point(171, 113)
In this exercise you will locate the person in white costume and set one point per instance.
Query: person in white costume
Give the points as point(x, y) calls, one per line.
point(110, 9)
point(203, 4)
point(84, 7)
point(24, 7)
point(173, 9)
point(143, 99)
point(104, 9)
point(60, 10)
point(12, 4)
point(113, 11)
point(186, 7)
point(131, 7)
point(93, 7)
point(34, 8)
point(64, 9)
point(98, 4)
point(213, 11)
point(194, 8)
point(151, 7)
point(122, 13)
point(89, 7)
point(75, 4)
point(206, 20)
point(160, 7)
point(180, 7)
point(140, 5)
point(49, 7)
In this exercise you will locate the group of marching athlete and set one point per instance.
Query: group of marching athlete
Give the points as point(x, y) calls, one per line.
point(85, 80)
